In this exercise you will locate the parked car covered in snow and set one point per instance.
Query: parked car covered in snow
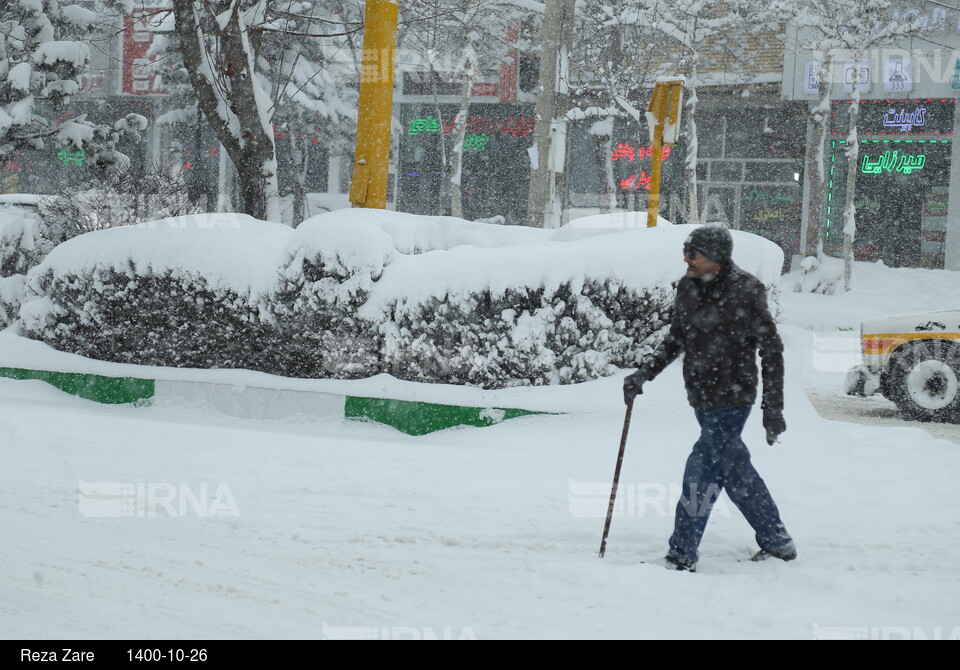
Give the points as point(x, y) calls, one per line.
point(913, 361)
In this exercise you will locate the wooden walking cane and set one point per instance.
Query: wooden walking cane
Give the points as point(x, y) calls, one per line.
point(616, 477)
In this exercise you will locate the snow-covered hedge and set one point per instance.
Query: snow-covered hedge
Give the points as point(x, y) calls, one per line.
point(353, 293)
point(20, 250)
point(317, 331)
point(182, 292)
point(19, 241)
point(537, 313)
point(11, 294)
point(144, 316)
point(526, 336)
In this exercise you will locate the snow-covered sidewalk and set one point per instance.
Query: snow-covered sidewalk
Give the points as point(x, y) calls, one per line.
point(172, 521)
point(176, 521)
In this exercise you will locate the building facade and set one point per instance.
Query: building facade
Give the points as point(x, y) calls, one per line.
point(754, 138)
point(907, 122)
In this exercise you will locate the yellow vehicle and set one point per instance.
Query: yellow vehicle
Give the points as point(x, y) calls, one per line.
point(913, 361)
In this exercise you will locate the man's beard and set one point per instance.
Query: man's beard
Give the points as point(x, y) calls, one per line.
point(704, 278)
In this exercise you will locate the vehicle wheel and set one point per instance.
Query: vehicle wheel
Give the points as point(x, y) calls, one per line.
point(925, 381)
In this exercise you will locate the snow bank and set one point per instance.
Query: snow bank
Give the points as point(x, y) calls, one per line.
point(636, 257)
point(356, 292)
point(820, 303)
point(595, 224)
point(231, 250)
point(416, 234)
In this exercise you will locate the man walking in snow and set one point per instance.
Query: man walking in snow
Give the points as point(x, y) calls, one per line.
point(720, 321)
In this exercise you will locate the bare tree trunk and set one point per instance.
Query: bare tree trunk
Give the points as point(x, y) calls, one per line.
point(459, 136)
point(609, 183)
point(691, 158)
point(816, 163)
point(853, 167)
point(226, 87)
point(558, 149)
point(540, 175)
point(298, 170)
point(443, 144)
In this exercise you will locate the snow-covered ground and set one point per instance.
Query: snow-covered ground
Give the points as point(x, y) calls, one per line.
point(301, 528)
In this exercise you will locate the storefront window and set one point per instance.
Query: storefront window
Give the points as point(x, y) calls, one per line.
point(762, 133)
point(496, 163)
point(712, 125)
point(749, 168)
point(902, 186)
point(901, 201)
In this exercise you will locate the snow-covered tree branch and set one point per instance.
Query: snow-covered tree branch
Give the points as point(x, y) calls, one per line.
point(217, 51)
point(44, 53)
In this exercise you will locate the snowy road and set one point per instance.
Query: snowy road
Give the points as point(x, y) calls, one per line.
point(873, 411)
point(230, 528)
point(176, 522)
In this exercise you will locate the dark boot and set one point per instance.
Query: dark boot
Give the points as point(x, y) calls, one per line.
point(764, 554)
point(678, 565)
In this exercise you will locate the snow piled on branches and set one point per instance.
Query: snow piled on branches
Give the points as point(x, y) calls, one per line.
point(355, 293)
point(45, 50)
point(21, 247)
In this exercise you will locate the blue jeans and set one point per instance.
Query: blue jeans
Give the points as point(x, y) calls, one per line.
point(721, 461)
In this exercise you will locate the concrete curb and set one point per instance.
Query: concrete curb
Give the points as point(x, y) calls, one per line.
point(253, 402)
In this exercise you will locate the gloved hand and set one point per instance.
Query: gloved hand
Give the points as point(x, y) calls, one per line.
point(774, 424)
point(633, 385)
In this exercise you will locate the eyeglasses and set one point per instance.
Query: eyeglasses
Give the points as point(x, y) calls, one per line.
point(690, 252)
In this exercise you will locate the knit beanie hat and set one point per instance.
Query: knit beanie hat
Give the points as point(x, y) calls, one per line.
point(713, 241)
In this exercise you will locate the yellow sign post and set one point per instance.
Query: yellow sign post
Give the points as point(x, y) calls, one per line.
point(663, 121)
point(371, 166)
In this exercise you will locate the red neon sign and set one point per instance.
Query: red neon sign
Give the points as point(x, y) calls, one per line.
point(626, 151)
point(636, 181)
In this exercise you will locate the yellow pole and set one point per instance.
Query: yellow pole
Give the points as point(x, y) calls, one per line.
point(665, 108)
point(657, 104)
point(371, 166)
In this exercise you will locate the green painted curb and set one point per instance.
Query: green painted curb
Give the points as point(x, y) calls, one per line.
point(410, 417)
point(107, 390)
point(420, 418)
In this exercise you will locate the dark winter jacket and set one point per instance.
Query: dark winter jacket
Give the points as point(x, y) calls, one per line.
point(719, 327)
